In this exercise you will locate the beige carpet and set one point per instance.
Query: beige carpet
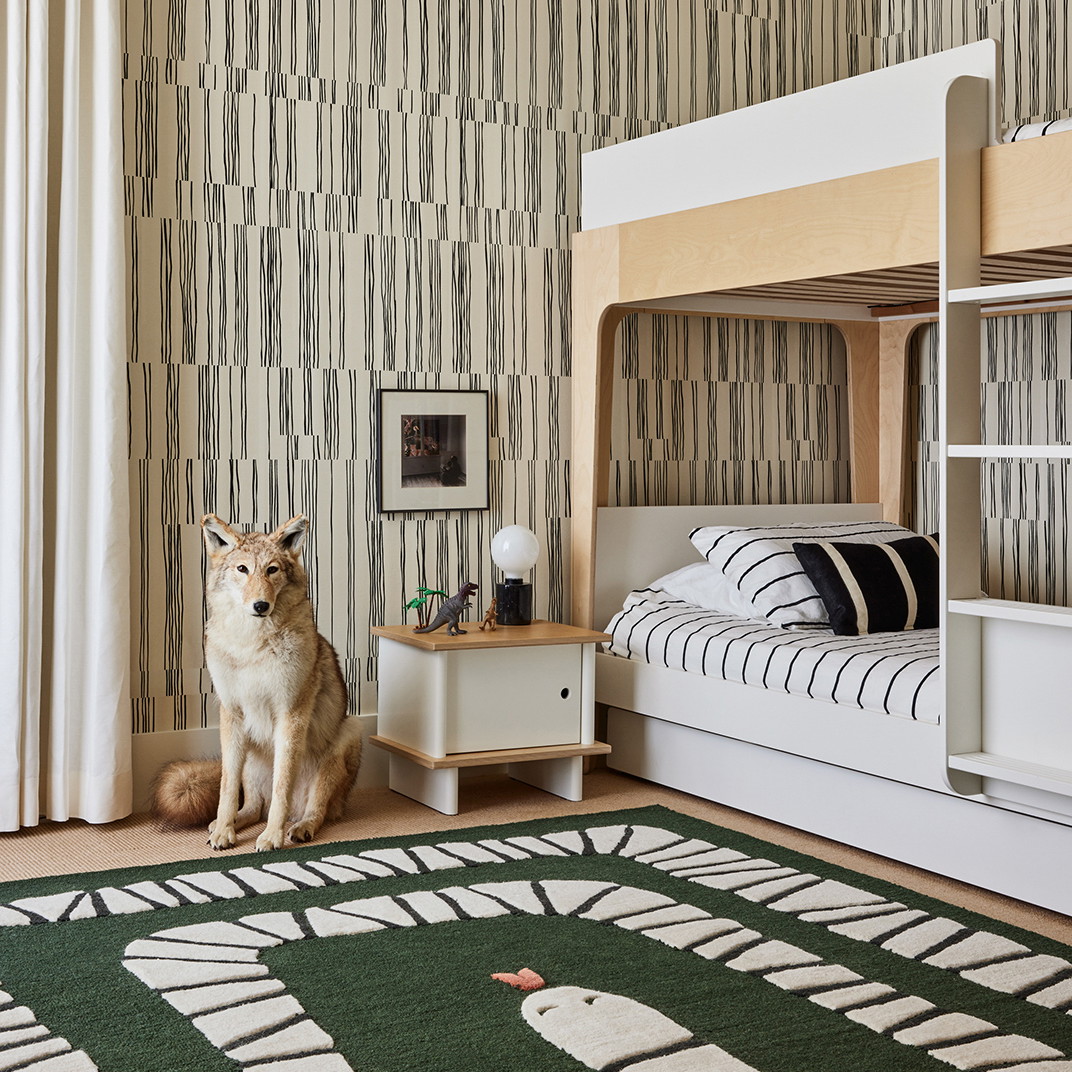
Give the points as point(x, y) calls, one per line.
point(68, 848)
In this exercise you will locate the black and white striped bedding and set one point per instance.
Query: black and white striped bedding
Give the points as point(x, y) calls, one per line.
point(1036, 130)
point(888, 673)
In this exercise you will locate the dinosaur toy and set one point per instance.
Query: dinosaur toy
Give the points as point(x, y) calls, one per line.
point(489, 621)
point(450, 613)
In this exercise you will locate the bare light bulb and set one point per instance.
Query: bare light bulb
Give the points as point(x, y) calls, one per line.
point(514, 550)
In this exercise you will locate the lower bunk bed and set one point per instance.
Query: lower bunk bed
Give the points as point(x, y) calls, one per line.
point(839, 736)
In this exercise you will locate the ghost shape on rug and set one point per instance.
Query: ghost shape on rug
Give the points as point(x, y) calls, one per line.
point(601, 1030)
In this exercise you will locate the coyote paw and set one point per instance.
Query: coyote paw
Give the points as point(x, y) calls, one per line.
point(270, 840)
point(223, 838)
point(303, 831)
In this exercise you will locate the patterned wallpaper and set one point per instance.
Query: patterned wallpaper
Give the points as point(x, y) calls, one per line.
point(729, 411)
point(325, 198)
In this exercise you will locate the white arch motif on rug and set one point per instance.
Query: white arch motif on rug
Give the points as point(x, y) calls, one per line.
point(213, 974)
point(981, 957)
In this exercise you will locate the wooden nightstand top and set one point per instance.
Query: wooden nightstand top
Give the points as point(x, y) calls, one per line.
point(505, 636)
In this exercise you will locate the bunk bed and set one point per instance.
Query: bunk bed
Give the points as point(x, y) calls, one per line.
point(913, 211)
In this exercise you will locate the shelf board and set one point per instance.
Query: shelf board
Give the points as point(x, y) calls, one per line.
point(1011, 292)
point(484, 759)
point(1010, 610)
point(1035, 775)
point(1009, 450)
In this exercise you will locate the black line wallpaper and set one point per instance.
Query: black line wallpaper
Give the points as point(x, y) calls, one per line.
point(326, 197)
point(729, 411)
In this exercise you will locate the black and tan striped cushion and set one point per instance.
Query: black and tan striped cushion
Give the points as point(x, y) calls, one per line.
point(875, 588)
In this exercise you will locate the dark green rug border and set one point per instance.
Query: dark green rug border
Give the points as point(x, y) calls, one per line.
point(652, 815)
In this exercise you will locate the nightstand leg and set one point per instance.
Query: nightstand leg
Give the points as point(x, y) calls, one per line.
point(436, 788)
point(559, 776)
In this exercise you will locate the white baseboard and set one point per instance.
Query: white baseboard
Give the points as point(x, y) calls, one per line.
point(152, 750)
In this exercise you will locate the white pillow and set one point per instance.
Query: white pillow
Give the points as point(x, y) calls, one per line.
point(762, 567)
point(701, 585)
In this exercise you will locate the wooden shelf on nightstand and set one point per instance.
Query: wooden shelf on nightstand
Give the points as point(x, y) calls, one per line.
point(487, 759)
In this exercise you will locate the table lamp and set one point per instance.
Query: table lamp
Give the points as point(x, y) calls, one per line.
point(514, 550)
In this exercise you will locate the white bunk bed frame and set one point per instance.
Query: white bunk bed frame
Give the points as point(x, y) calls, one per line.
point(986, 796)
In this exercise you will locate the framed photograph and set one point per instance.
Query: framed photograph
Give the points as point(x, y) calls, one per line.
point(433, 450)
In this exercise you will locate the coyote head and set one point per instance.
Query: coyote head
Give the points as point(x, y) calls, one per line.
point(253, 568)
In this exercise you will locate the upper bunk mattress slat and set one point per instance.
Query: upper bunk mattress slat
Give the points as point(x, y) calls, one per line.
point(912, 283)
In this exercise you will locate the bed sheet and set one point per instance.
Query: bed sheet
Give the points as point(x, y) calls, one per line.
point(888, 673)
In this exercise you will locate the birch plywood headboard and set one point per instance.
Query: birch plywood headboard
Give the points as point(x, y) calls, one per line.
point(637, 544)
point(876, 120)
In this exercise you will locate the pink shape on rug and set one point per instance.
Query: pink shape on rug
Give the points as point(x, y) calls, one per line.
point(526, 979)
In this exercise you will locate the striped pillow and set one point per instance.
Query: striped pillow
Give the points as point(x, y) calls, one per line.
point(760, 563)
point(875, 588)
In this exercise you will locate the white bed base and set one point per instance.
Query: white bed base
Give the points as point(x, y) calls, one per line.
point(877, 782)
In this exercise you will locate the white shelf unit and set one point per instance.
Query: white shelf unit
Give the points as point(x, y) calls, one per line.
point(1008, 721)
point(1011, 610)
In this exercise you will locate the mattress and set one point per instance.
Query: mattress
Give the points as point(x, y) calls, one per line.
point(887, 673)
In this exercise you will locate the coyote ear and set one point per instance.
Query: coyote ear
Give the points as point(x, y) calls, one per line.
point(218, 535)
point(291, 536)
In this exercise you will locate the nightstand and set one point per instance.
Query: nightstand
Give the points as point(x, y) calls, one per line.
point(522, 695)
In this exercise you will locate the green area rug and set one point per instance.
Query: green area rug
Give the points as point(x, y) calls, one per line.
point(665, 944)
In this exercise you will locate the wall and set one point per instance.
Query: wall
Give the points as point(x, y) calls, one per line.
point(728, 411)
point(328, 198)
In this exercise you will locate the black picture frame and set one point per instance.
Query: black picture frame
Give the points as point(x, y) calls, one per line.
point(432, 450)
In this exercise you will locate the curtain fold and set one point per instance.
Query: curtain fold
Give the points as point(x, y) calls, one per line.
point(64, 627)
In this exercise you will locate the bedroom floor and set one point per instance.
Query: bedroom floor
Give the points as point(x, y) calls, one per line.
point(68, 848)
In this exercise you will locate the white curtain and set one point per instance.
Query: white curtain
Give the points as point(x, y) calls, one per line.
point(64, 543)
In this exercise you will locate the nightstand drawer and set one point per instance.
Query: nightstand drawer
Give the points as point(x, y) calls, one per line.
point(513, 698)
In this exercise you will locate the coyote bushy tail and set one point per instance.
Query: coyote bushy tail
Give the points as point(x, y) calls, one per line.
point(185, 792)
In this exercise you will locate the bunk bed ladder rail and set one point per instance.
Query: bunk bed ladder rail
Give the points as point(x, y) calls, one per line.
point(1008, 738)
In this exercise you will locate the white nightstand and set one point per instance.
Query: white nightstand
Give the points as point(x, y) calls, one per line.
point(519, 695)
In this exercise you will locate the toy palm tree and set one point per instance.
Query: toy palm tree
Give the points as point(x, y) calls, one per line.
point(419, 603)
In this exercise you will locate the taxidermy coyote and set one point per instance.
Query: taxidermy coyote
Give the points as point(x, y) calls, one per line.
point(286, 741)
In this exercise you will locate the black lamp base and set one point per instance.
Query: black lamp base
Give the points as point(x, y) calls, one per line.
point(513, 603)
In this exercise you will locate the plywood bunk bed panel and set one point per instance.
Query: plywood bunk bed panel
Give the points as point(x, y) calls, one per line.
point(829, 250)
